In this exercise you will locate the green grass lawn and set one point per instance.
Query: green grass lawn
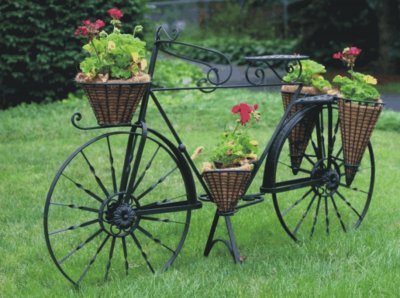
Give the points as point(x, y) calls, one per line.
point(36, 139)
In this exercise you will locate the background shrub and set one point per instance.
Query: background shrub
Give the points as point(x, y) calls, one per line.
point(39, 52)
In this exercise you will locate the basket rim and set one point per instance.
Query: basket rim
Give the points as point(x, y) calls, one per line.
point(113, 83)
point(367, 102)
point(226, 171)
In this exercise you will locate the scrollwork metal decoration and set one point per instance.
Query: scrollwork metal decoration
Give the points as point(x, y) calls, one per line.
point(273, 62)
point(77, 117)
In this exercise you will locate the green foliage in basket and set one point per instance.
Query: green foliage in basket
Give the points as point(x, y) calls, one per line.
point(311, 74)
point(114, 55)
point(234, 148)
point(174, 73)
point(358, 86)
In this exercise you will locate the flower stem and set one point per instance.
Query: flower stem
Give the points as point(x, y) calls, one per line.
point(237, 125)
point(97, 53)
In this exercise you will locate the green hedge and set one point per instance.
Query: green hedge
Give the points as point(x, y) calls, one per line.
point(39, 52)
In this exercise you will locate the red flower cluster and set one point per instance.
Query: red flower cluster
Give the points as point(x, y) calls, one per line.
point(348, 56)
point(89, 29)
point(352, 51)
point(245, 111)
point(115, 13)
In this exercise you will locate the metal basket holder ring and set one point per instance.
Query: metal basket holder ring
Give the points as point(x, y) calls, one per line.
point(301, 134)
point(227, 186)
point(357, 121)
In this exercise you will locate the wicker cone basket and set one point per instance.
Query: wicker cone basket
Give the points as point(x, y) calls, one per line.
point(115, 102)
point(301, 133)
point(357, 121)
point(227, 186)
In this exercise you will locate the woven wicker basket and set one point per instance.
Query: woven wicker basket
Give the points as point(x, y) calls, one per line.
point(301, 133)
point(357, 121)
point(227, 186)
point(114, 103)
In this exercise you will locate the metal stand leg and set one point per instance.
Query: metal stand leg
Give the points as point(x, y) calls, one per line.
point(231, 244)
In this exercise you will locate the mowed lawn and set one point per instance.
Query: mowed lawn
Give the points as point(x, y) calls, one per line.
point(36, 139)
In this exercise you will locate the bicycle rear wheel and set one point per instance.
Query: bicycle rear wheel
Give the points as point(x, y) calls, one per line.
point(311, 196)
point(109, 212)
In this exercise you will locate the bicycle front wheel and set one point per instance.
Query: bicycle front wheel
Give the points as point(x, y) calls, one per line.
point(121, 203)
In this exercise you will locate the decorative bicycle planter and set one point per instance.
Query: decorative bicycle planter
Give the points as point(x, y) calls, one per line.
point(122, 202)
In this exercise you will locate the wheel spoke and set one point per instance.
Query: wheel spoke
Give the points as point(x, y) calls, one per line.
point(156, 240)
point(74, 227)
point(353, 188)
point(165, 201)
point(93, 171)
point(125, 254)
point(338, 214)
point(348, 204)
point(148, 166)
point(81, 187)
point(159, 181)
point(333, 139)
point(81, 245)
point(315, 217)
point(144, 255)
point(286, 211)
point(326, 216)
point(308, 158)
point(294, 168)
point(110, 256)
point(161, 220)
point(111, 159)
point(304, 215)
point(338, 153)
point(93, 259)
point(74, 206)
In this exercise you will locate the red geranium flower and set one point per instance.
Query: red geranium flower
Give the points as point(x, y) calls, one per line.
point(354, 51)
point(99, 24)
point(338, 55)
point(245, 111)
point(81, 30)
point(115, 13)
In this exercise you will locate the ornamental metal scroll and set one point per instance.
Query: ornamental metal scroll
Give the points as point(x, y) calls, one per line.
point(256, 70)
point(215, 74)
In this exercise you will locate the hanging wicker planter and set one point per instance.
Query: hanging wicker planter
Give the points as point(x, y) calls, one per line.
point(301, 133)
point(227, 186)
point(115, 102)
point(357, 121)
